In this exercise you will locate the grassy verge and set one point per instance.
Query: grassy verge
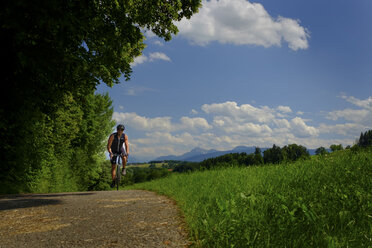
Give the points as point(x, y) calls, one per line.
point(322, 202)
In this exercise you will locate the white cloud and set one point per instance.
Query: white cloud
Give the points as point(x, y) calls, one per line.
point(234, 125)
point(194, 112)
point(345, 129)
point(151, 58)
point(251, 121)
point(250, 129)
point(139, 60)
point(158, 56)
point(161, 123)
point(284, 109)
point(158, 43)
point(354, 115)
point(241, 22)
point(358, 120)
point(244, 112)
point(361, 115)
point(167, 138)
point(143, 123)
point(282, 123)
point(300, 129)
point(366, 104)
point(194, 123)
point(230, 125)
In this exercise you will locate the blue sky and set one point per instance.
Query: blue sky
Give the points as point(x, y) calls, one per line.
point(253, 73)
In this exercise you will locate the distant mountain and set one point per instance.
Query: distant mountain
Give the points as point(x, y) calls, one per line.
point(184, 157)
point(133, 159)
point(200, 154)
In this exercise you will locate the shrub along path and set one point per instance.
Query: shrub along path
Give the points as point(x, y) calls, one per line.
point(131, 218)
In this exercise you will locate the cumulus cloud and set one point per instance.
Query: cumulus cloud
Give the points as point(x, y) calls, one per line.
point(225, 125)
point(194, 123)
point(349, 114)
point(158, 56)
point(158, 43)
point(360, 115)
point(345, 129)
point(241, 22)
point(139, 60)
point(365, 104)
point(284, 109)
point(282, 124)
point(168, 138)
point(156, 124)
point(194, 112)
point(261, 121)
point(358, 119)
point(151, 58)
point(244, 112)
point(300, 129)
point(144, 123)
point(230, 125)
point(250, 129)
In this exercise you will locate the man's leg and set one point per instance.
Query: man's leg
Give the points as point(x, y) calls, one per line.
point(113, 171)
point(113, 174)
point(124, 159)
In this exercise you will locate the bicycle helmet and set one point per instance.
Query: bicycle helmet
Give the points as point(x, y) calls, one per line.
point(120, 127)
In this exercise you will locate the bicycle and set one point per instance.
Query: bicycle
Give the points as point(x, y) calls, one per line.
point(118, 170)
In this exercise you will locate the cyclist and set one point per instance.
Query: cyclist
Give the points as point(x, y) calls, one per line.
point(117, 145)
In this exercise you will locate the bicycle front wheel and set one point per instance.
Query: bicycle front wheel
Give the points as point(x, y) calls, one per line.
point(118, 176)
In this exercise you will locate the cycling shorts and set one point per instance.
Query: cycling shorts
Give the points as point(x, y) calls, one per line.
point(115, 159)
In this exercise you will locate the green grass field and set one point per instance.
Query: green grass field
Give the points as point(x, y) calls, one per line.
point(322, 202)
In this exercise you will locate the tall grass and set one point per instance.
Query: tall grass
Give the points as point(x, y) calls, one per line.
point(322, 202)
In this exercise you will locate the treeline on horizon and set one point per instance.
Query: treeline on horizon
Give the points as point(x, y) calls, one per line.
point(275, 155)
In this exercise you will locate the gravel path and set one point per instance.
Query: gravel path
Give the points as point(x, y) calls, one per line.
point(130, 218)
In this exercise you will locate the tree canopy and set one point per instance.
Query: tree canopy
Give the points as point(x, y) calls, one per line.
point(321, 151)
point(56, 53)
point(365, 139)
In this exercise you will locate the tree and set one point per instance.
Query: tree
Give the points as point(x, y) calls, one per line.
point(258, 159)
point(321, 151)
point(273, 155)
point(365, 139)
point(58, 50)
point(294, 152)
point(336, 147)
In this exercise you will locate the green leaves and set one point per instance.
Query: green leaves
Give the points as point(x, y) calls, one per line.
point(57, 53)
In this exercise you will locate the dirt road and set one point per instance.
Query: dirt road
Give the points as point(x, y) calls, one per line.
point(130, 219)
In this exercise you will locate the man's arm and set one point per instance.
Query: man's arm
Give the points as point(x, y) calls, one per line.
point(109, 143)
point(126, 143)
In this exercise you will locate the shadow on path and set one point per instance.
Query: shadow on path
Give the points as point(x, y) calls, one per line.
point(33, 200)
